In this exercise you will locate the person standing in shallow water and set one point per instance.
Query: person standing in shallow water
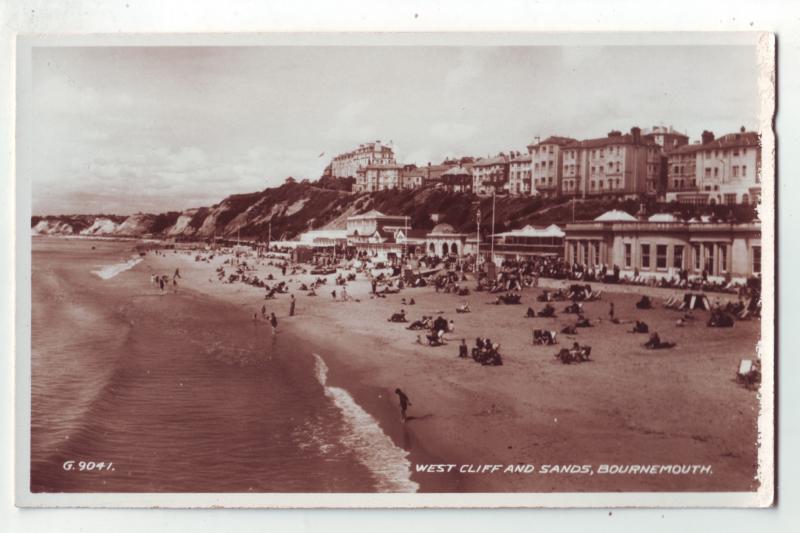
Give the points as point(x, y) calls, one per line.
point(291, 306)
point(404, 403)
point(273, 320)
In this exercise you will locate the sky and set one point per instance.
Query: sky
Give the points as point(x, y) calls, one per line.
point(151, 129)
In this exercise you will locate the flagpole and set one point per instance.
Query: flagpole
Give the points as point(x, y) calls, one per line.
point(494, 203)
point(478, 253)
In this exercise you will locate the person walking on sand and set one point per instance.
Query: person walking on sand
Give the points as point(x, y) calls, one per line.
point(611, 311)
point(463, 351)
point(404, 403)
point(177, 274)
point(273, 320)
point(291, 306)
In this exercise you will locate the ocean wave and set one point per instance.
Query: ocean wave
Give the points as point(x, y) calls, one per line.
point(372, 446)
point(109, 271)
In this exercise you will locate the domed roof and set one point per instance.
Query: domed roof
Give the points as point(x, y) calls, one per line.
point(443, 228)
point(616, 215)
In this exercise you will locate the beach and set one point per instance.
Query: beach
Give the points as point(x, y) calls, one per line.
point(628, 406)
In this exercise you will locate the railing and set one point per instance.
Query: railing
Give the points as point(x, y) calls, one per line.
point(661, 226)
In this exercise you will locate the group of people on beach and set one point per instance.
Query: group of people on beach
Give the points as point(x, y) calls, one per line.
point(162, 281)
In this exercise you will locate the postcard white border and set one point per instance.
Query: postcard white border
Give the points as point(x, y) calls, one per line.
point(22, 372)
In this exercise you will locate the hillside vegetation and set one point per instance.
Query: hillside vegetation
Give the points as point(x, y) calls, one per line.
point(297, 207)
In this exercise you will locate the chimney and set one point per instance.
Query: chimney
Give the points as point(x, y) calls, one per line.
point(614, 133)
point(637, 134)
point(707, 136)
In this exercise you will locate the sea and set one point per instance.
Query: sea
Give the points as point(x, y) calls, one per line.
point(175, 392)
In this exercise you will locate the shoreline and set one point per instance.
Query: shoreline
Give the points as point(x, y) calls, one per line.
point(373, 400)
point(530, 410)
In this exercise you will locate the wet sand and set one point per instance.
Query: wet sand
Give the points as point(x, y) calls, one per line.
point(627, 406)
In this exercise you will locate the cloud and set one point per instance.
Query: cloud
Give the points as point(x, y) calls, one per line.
point(468, 69)
point(453, 132)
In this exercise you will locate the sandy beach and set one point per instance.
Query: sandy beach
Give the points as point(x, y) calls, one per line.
point(628, 406)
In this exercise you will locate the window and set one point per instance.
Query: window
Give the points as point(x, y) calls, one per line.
point(661, 256)
point(596, 252)
point(730, 198)
point(708, 172)
point(550, 149)
point(585, 250)
point(646, 256)
point(716, 172)
point(756, 259)
point(628, 255)
point(677, 257)
point(735, 171)
point(696, 253)
point(744, 171)
point(708, 259)
point(723, 258)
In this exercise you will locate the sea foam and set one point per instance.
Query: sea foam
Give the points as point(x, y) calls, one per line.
point(373, 448)
point(109, 271)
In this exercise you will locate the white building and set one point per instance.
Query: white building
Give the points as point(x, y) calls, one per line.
point(722, 171)
point(348, 164)
point(380, 177)
point(490, 175)
point(663, 247)
point(520, 172)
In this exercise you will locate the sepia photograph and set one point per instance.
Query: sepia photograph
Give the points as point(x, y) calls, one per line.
point(448, 271)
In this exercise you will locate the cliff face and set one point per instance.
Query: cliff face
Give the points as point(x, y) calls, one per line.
point(293, 208)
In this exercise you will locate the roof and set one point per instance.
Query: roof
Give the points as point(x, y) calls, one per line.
point(555, 139)
point(731, 140)
point(524, 158)
point(662, 217)
point(456, 171)
point(373, 214)
point(531, 231)
point(443, 228)
point(615, 140)
point(311, 236)
point(616, 216)
point(414, 233)
point(491, 161)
